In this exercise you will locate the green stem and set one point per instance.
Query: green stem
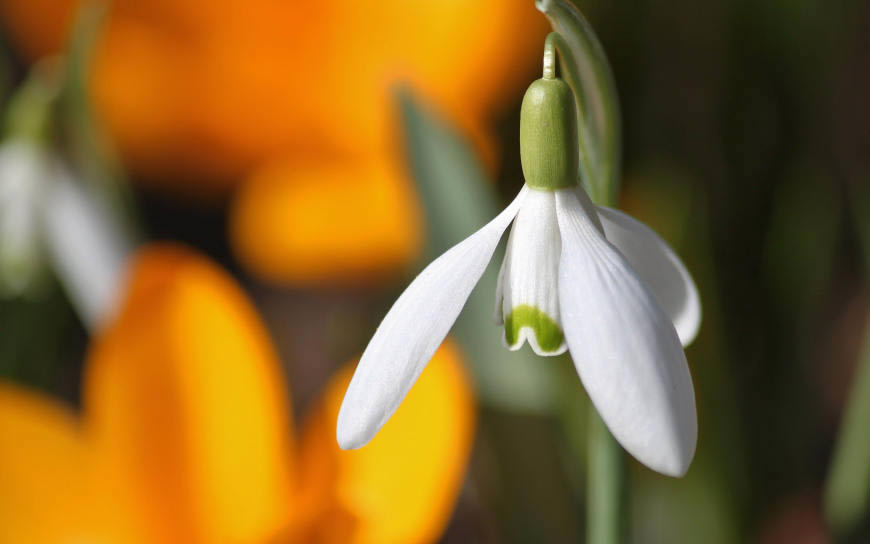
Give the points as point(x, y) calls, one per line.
point(605, 483)
point(583, 65)
point(550, 56)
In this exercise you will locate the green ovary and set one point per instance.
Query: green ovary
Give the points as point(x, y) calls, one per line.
point(547, 332)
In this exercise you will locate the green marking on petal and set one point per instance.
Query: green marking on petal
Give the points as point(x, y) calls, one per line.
point(547, 332)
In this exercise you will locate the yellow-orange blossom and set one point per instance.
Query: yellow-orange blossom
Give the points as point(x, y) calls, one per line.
point(186, 435)
point(295, 99)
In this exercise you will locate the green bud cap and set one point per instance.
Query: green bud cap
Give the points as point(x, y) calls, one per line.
point(548, 135)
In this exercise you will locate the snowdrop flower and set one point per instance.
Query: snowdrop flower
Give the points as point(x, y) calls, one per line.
point(47, 217)
point(576, 277)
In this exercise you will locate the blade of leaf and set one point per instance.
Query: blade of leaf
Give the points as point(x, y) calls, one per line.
point(458, 199)
point(90, 149)
point(847, 492)
point(584, 66)
point(847, 489)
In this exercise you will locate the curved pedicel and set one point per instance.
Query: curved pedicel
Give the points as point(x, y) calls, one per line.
point(584, 67)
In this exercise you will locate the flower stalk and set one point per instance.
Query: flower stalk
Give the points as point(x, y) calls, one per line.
point(606, 487)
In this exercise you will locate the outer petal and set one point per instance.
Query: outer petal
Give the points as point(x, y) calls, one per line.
point(185, 403)
point(336, 221)
point(402, 487)
point(45, 495)
point(85, 247)
point(530, 277)
point(624, 347)
point(659, 267)
point(413, 329)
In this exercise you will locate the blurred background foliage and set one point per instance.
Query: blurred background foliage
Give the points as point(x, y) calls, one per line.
point(322, 152)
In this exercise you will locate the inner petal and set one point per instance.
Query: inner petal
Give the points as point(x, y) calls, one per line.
point(527, 322)
point(529, 283)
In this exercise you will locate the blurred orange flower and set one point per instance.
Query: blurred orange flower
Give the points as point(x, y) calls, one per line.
point(205, 95)
point(186, 435)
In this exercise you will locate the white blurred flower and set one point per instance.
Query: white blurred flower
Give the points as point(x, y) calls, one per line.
point(86, 246)
point(48, 218)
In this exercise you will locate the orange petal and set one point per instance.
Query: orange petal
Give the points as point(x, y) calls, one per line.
point(469, 58)
point(332, 221)
point(402, 486)
point(185, 403)
point(37, 27)
point(44, 481)
point(205, 89)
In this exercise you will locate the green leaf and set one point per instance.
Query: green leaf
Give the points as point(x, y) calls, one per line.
point(584, 66)
point(28, 113)
point(458, 199)
point(798, 269)
point(89, 148)
point(847, 492)
point(35, 337)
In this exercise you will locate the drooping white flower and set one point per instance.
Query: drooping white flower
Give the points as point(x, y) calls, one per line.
point(48, 215)
point(575, 276)
point(86, 245)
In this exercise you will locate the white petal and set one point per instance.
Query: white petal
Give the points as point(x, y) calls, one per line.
point(413, 329)
point(499, 288)
point(530, 294)
point(659, 267)
point(624, 347)
point(87, 247)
